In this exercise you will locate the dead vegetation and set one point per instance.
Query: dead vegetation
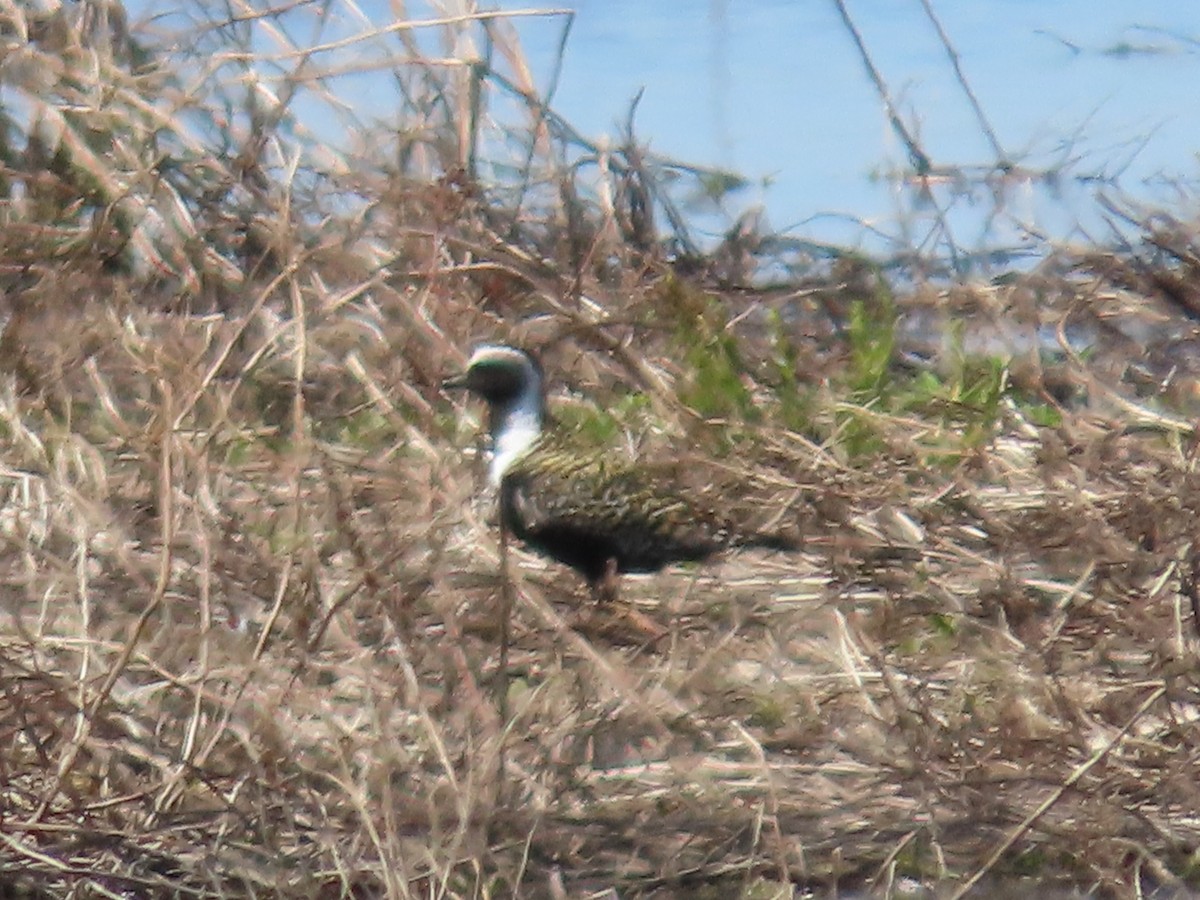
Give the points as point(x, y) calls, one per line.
point(250, 625)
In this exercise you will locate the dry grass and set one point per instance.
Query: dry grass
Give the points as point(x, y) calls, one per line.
point(249, 635)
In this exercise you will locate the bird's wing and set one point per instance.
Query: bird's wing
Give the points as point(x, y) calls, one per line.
point(614, 499)
point(558, 491)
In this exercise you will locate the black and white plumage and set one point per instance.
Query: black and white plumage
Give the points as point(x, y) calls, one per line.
point(589, 508)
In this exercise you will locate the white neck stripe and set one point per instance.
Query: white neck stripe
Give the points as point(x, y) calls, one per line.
point(516, 428)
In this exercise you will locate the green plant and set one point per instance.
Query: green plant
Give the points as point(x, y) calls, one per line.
point(713, 384)
point(872, 339)
point(795, 402)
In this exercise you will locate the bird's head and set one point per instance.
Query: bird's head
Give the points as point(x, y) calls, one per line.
point(501, 375)
point(511, 382)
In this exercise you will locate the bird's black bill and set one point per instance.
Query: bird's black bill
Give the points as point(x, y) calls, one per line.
point(455, 382)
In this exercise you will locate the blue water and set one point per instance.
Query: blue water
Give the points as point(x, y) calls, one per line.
point(1100, 93)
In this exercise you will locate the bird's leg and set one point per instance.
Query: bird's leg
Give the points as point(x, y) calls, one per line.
point(619, 621)
point(606, 587)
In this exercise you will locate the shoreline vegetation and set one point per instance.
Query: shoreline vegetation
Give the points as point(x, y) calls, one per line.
point(257, 639)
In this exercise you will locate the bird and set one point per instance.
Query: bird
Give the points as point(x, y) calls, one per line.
point(590, 508)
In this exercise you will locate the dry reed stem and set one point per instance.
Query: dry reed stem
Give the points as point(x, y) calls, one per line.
point(1028, 822)
point(254, 620)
